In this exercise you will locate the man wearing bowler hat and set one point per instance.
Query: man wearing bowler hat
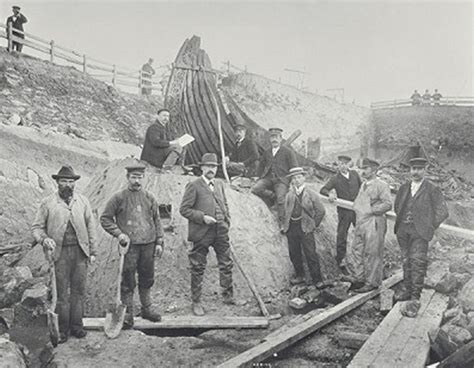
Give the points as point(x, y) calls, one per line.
point(420, 209)
point(272, 170)
point(303, 214)
point(344, 185)
point(365, 256)
point(132, 216)
point(66, 228)
point(16, 21)
point(204, 204)
point(243, 159)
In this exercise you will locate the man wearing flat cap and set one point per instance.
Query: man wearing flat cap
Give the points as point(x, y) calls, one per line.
point(303, 214)
point(16, 21)
point(274, 165)
point(65, 226)
point(243, 159)
point(344, 185)
point(420, 209)
point(132, 216)
point(204, 204)
point(365, 255)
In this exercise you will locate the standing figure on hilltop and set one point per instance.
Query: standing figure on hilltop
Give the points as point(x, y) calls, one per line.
point(16, 21)
point(344, 185)
point(147, 74)
point(132, 216)
point(157, 149)
point(274, 165)
point(243, 159)
point(415, 98)
point(437, 97)
point(204, 204)
point(420, 209)
point(303, 214)
point(365, 255)
point(65, 226)
point(426, 98)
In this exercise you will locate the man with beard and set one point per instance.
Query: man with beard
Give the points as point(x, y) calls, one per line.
point(158, 150)
point(420, 209)
point(204, 204)
point(244, 157)
point(132, 216)
point(65, 227)
point(365, 256)
point(345, 185)
point(272, 170)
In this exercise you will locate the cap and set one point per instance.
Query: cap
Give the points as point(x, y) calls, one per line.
point(135, 168)
point(418, 162)
point(344, 158)
point(275, 130)
point(367, 162)
point(296, 171)
point(240, 127)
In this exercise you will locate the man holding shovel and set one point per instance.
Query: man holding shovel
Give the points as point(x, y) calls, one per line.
point(132, 216)
point(65, 227)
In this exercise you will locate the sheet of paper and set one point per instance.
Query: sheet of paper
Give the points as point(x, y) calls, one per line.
point(185, 140)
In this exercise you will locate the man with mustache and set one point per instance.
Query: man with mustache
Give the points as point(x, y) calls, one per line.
point(272, 170)
point(420, 209)
point(365, 256)
point(204, 204)
point(243, 159)
point(65, 226)
point(132, 216)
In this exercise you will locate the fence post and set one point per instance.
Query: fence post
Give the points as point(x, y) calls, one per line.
point(140, 82)
point(51, 51)
point(9, 36)
point(114, 75)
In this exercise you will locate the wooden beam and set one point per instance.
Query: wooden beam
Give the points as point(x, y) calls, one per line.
point(288, 336)
point(214, 322)
point(464, 357)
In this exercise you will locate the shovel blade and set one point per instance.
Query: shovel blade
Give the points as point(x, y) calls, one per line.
point(114, 321)
point(53, 327)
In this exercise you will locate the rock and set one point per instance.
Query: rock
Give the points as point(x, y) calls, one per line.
point(335, 294)
point(35, 296)
point(14, 119)
point(349, 339)
point(447, 284)
point(464, 265)
point(297, 303)
point(466, 296)
point(12, 285)
point(6, 316)
point(10, 354)
point(457, 334)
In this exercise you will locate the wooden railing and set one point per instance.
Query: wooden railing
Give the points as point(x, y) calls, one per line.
point(108, 73)
point(444, 101)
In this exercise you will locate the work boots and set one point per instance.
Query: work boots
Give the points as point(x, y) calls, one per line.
point(127, 300)
point(148, 311)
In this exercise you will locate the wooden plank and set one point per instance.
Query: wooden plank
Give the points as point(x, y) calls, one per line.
point(291, 335)
point(213, 322)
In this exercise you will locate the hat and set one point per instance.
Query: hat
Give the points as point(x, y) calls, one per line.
point(16, 7)
point(240, 126)
point(66, 172)
point(296, 171)
point(135, 168)
point(275, 131)
point(209, 159)
point(344, 158)
point(418, 162)
point(367, 162)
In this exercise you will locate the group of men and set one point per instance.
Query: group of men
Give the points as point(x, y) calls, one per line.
point(66, 228)
point(426, 99)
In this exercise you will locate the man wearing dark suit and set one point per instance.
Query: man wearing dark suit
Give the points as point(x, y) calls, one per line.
point(243, 159)
point(158, 150)
point(16, 21)
point(275, 164)
point(204, 204)
point(344, 185)
point(420, 210)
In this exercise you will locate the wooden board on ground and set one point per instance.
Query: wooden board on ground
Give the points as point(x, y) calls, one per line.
point(213, 322)
point(288, 336)
point(400, 341)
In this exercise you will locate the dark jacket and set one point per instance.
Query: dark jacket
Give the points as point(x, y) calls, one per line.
point(199, 200)
point(156, 146)
point(345, 188)
point(429, 208)
point(283, 161)
point(17, 24)
point(246, 152)
point(313, 210)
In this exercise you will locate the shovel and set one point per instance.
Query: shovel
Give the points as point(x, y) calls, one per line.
point(53, 325)
point(116, 314)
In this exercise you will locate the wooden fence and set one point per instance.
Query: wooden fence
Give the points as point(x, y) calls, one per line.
point(445, 101)
point(102, 70)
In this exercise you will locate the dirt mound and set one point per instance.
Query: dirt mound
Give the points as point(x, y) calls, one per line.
point(270, 104)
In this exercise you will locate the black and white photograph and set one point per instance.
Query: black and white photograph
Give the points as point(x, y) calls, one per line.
point(236, 183)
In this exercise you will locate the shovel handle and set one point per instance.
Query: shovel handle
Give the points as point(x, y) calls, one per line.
point(119, 277)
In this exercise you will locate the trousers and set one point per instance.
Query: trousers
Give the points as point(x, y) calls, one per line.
point(140, 259)
point(268, 189)
point(345, 219)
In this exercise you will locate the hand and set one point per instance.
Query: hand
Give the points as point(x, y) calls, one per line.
point(49, 245)
point(209, 220)
point(226, 159)
point(332, 197)
point(158, 250)
point(124, 240)
point(91, 259)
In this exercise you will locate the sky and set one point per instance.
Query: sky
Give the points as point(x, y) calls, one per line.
point(373, 50)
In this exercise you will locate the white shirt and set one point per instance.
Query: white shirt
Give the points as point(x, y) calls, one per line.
point(275, 150)
point(210, 183)
point(300, 189)
point(415, 186)
point(346, 175)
